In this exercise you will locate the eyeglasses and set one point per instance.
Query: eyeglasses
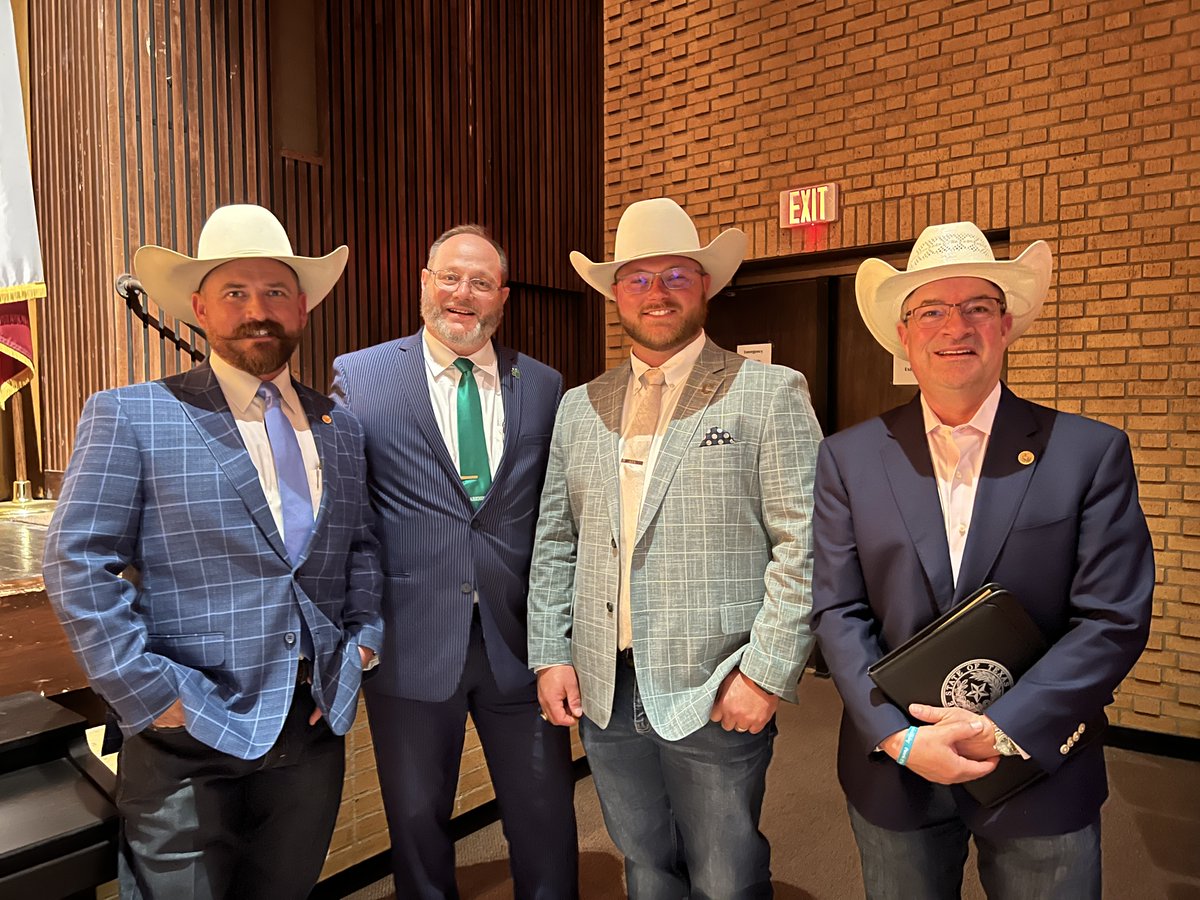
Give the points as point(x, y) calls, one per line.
point(977, 311)
point(676, 278)
point(449, 280)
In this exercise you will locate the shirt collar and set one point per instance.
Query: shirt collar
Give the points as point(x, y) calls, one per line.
point(241, 388)
point(439, 357)
point(982, 421)
point(675, 369)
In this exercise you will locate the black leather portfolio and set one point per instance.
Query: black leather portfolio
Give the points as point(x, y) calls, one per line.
point(969, 657)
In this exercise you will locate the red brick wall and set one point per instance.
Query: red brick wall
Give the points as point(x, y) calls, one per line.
point(1073, 122)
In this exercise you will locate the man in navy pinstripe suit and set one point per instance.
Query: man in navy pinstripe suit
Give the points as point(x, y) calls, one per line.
point(232, 500)
point(456, 540)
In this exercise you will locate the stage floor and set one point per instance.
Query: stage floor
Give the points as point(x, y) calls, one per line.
point(22, 542)
point(34, 655)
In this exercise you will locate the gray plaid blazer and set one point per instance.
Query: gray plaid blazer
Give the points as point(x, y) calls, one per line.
point(722, 563)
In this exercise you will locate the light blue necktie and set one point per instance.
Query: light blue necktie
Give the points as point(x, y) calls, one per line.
point(294, 497)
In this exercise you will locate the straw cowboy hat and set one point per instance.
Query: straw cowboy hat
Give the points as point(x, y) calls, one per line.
point(239, 231)
point(660, 227)
point(950, 251)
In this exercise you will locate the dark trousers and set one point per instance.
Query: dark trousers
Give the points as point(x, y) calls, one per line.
point(203, 825)
point(418, 747)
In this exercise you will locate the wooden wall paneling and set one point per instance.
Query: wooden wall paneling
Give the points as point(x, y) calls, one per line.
point(68, 85)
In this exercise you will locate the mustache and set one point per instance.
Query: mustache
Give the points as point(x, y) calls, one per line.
point(252, 329)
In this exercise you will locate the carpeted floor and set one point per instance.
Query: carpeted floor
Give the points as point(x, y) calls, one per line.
point(1151, 825)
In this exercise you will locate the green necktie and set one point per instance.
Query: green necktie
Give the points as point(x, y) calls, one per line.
point(473, 463)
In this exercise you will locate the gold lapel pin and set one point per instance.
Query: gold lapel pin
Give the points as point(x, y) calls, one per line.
point(1025, 457)
point(327, 419)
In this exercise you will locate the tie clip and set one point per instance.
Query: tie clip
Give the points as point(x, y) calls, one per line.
point(633, 462)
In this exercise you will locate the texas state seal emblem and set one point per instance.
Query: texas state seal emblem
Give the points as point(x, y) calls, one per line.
point(975, 684)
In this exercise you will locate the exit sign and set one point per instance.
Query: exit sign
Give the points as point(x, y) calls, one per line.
point(808, 205)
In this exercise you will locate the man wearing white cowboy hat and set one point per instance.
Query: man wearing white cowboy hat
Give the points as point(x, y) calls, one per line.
point(669, 591)
point(235, 500)
point(915, 510)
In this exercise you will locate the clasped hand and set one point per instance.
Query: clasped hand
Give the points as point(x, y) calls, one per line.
point(953, 747)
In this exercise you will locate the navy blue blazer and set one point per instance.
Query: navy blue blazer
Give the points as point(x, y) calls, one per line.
point(1064, 533)
point(160, 481)
point(437, 549)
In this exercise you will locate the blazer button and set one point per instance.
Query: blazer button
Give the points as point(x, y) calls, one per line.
point(290, 638)
point(609, 606)
point(475, 526)
point(467, 587)
point(1082, 728)
point(614, 543)
point(1064, 749)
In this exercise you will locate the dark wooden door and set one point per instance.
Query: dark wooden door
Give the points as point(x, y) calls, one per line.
point(862, 370)
point(813, 326)
point(791, 316)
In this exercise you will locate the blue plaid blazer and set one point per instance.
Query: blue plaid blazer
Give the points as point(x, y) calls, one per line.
point(160, 487)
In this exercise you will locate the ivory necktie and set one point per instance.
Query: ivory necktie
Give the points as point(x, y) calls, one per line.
point(294, 498)
point(634, 457)
point(473, 464)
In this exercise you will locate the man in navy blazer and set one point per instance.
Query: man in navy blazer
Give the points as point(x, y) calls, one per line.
point(916, 509)
point(456, 554)
point(212, 561)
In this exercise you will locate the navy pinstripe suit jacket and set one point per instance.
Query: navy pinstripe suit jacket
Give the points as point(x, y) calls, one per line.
point(437, 550)
point(160, 480)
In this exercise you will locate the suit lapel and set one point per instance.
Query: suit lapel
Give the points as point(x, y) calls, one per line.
point(909, 471)
point(697, 392)
point(1003, 482)
point(205, 404)
point(414, 391)
point(318, 409)
point(607, 395)
point(511, 393)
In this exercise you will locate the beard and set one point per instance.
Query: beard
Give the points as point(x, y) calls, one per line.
point(454, 335)
point(687, 326)
point(258, 359)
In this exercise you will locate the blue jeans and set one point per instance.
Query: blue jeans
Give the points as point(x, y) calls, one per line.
point(684, 813)
point(928, 862)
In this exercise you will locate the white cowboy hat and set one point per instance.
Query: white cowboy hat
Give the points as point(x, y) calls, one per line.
point(950, 251)
point(660, 227)
point(239, 231)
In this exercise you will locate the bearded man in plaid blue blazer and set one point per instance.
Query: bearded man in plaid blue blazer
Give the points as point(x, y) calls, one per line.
point(234, 501)
point(670, 587)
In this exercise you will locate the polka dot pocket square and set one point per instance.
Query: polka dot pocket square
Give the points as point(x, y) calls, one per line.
point(716, 436)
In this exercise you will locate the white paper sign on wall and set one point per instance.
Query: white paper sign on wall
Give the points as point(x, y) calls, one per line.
point(902, 372)
point(760, 352)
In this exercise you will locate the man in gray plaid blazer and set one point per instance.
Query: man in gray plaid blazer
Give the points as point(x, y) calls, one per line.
point(212, 561)
point(670, 586)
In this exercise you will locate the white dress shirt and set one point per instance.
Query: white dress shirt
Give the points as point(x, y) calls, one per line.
point(675, 374)
point(957, 461)
point(957, 454)
point(443, 380)
point(241, 393)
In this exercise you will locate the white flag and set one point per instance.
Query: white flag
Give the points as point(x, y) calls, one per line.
point(21, 278)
